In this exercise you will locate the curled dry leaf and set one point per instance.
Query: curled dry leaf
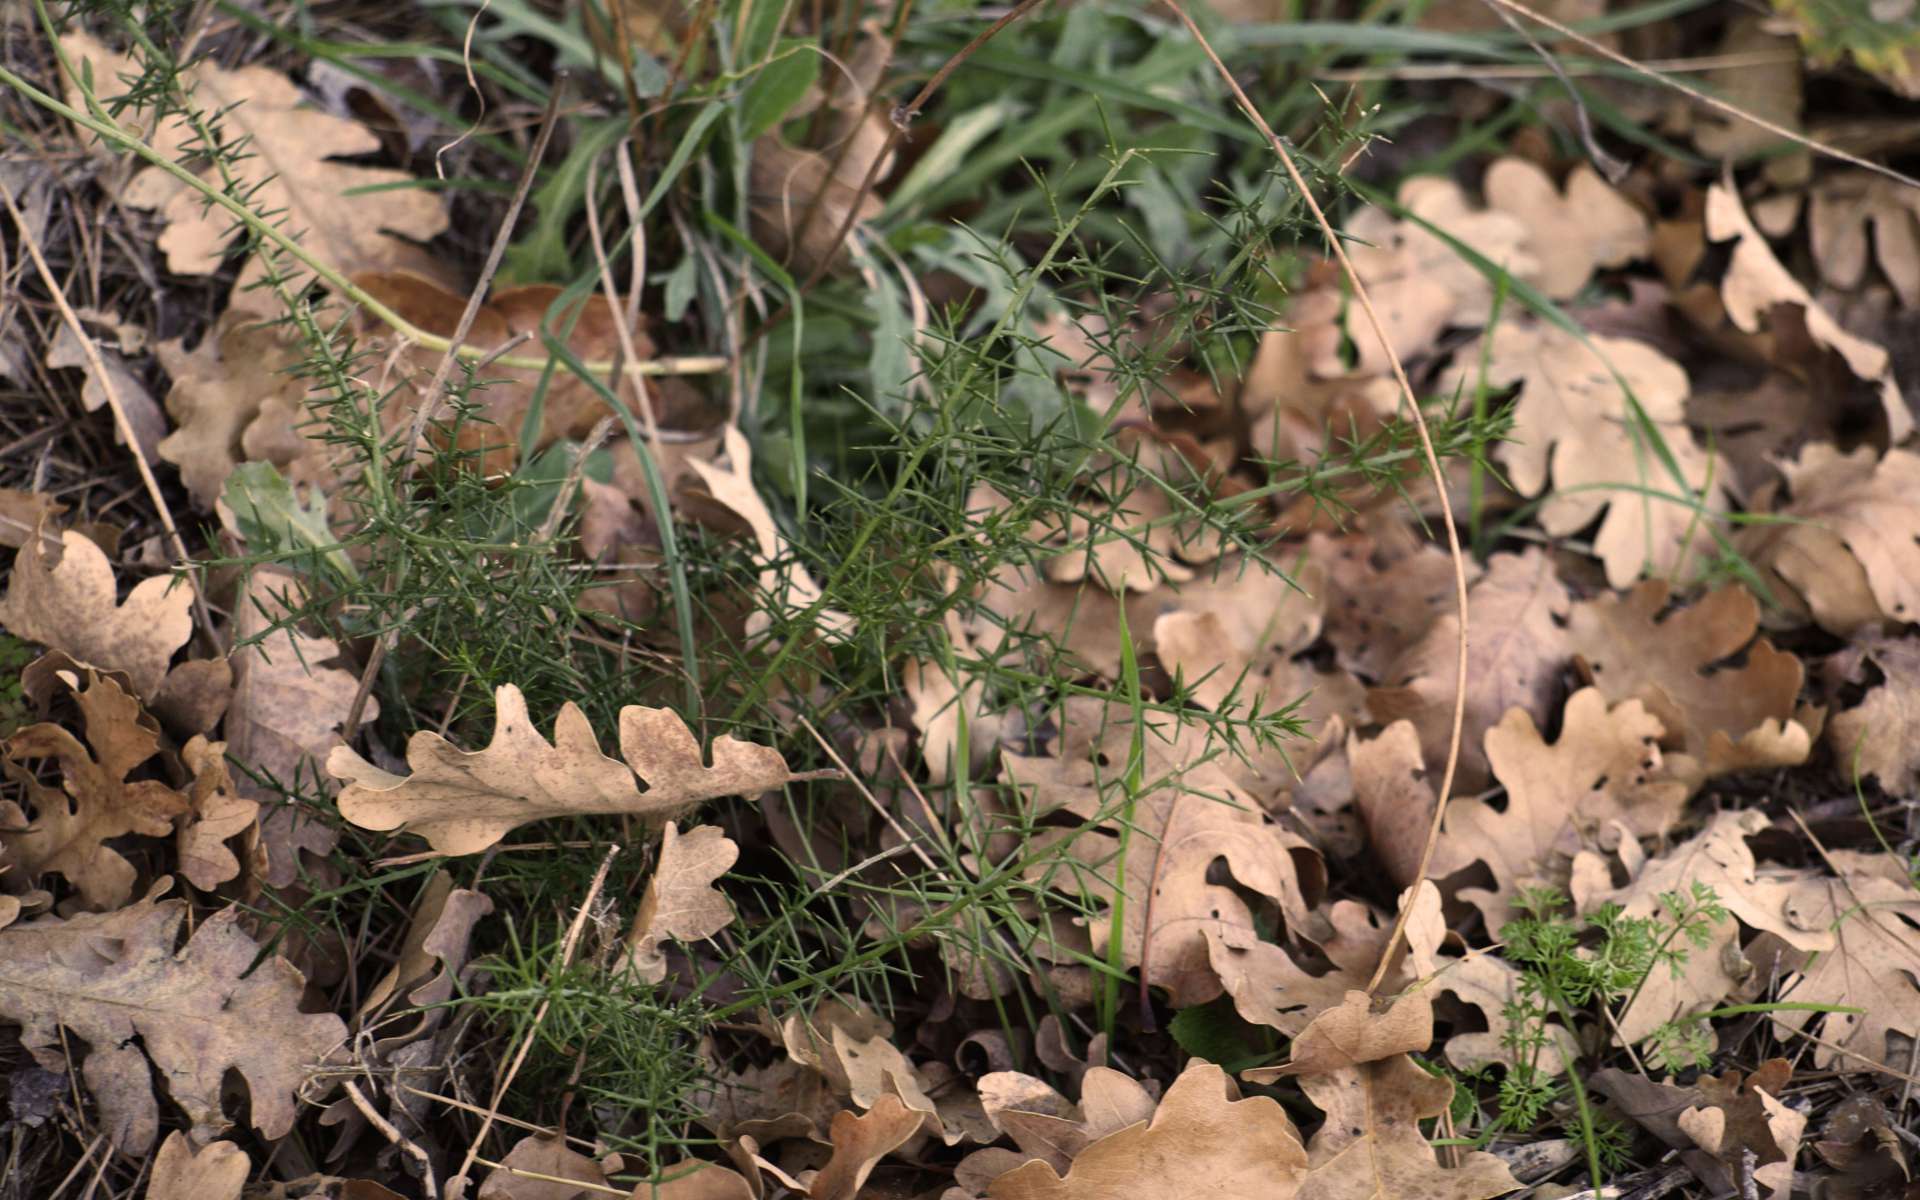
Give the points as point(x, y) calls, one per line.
point(1571, 233)
point(290, 169)
point(1355, 1033)
point(462, 802)
point(64, 599)
point(115, 981)
point(681, 901)
point(218, 812)
point(1045, 1127)
point(859, 1143)
point(1756, 285)
point(1718, 718)
point(1575, 423)
point(1516, 612)
point(432, 955)
point(216, 1171)
point(111, 384)
point(1849, 546)
point(1880, 738)
point(1731, 1131)
point(1203, 1140)
point(1605, 768)
point(70, 829)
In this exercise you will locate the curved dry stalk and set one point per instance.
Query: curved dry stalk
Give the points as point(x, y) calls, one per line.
point(1426, 447)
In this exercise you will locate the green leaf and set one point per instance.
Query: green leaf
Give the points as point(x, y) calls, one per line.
point(1216, 1033)
point(778, 86)
point(273, 521)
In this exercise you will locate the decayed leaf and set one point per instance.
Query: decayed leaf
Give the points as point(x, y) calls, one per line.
point(462, 802)
point(1717, 718)
point(289, 169)
point(1604, 768)
point(287, 707)
point(109, 978)
point(1371, 1148)
point(1874, 964)
point(1420, 285)
point(1849, 548)
point(1513, 661)
point(64, 599)
point(681, 901)
point(1769, 88)
point(218, 812)
point(1574, 424)
point(1756, 283)
point(214, 1172)
point(1191, 815)
point(1202, 1141)
point(1845, 205)
point(70, 828)
point(1880, 739)
point(1859, 1142)
point(1590, 225)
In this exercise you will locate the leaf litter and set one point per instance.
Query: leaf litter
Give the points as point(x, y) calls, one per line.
point(1688, 675)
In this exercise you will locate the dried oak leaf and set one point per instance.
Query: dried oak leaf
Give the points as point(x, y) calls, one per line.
point(1849, 547)
point(290, 169)
point(233, 400)
point(1716, 1123)
point(218, 811)
point(1419, 283)
point(1515, 613)
point(70, 828)
point(462, 802)
point(214, 1172)
point(1880, 738)
point(1371, 1148)
point(1756, 285)
point(1203, 1140)
point(431, 957)
point(859, 1143)
point(1046, 1127)
point(1385, 586)
point(1575, 424)
point(1845, 205)
point(1189, 816)
point(1489, 983)
point(681, 901)
point(1874, 963)
point(112, 978)
point(1718, 718)
point(111, 382)
point(1605, 768)
point(543, 1168)
point(65, 600)
point(1588, 226)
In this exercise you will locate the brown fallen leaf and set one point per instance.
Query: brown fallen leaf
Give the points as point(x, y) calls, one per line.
point(1860, 1144)
point(218, 812)
point(1371, 1148)
point(1756, 285)
point(1844, 206)
point(462, 802)
point(1873, 965)
point(216, 1171)
point(1717, 718)
point(1514, 657)
point(1386, 585)
point(111, 978)
point(290, 169)
point(1732, 1132)
point(1574, 425)
point(680, 902)
point(1768, 85)
point(64, 599)
point(535, 1170)
point(233, 399)
point(859, 1143)
point(1355, 1033)
point(1605, 768)
point(109, 384)
point(70, 829)
point(430, 960)
point(1880, 737)
point(1394, 796)
point(1203, 1140)
point(1571, 233)
point(1492, 985)
point(1848, 547)
point(1046, 1127)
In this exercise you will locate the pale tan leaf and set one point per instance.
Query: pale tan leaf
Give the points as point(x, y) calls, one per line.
point(218, 812)
point(431, 956)
point(115, 981)
point(681, 902)
point(1385, 586)
point(216, 1171)
point(1354, 1033)
point(1845, 205)
point(233, 398)
point(462, 802)
point(111, 382)
point(1769, 88)
point(859, 1143)
point(1574, 425)
point(64, 599)
point(695, 1180)
point(1590, 225)
point(1394, 795)
point(545, 1161)
point(1873, 965)
point(1491, 984)
point(1203, 1141)
point(1371, 1148)
point(1880, 738)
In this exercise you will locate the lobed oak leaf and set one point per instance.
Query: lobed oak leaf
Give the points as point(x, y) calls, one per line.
point(430, 959)
point(540, 1167)
point(1849, 544)
point(108, 383)
point(1492, 985)
point(115, 981)
point(351, 217)
point(1605, 768)
point(1515, 613)
point(1870, 915)
point(217, 812)
point(859, 1143)
point(1203, 1140)
point(1732, 1132)
point(462, 802)
point(681, 901)
point(1843, 207)
point(1880, 737)
point(216, 1171)
point(70, 828)
point(1571, 232)
point(1354, 1033)
point(1575, 424)
point(1386, 586)
point(1371, 1148)
point(234, 398)
point(1046, 1127)
point(65, 600)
